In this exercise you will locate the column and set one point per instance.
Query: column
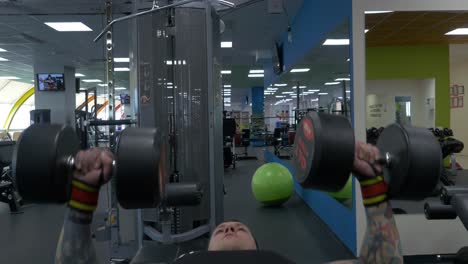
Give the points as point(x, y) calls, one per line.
point(62, 103)
point(258, 108)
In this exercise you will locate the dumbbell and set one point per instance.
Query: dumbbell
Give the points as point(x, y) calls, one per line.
point(45, 158)
point(438, 133)
point(448, 132)
point(324, 156)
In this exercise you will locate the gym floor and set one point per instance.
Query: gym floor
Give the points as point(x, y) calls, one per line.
point(299, 235)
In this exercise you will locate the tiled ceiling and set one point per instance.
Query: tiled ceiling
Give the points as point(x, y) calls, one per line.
point(326, 63)
point(25, 36)
point(407, 28)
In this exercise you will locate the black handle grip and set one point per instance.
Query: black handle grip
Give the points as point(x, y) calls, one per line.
point(183, 194)
point(460, 204)
point(448, 192)
point(439, 211)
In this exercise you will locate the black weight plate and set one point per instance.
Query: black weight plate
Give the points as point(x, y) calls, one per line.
point(139, 159)
point(416, 162)
point(41, 175)
point(323, 151)
point(425, 164)
point(394, 140)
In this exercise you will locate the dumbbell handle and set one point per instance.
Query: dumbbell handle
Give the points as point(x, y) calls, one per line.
point(385, 161)
point(69, 162)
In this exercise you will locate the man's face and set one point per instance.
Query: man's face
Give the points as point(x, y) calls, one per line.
point(232, 236)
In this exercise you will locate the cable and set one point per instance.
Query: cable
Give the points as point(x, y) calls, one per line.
point(287, 15)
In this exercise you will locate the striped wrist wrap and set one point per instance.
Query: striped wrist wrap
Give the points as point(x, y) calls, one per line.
point(374, 191)
point(83, 197)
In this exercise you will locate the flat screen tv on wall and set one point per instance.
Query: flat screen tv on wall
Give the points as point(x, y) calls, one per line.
point(50, 82)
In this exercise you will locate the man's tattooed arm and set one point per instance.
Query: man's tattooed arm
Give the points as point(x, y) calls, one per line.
point(381, 242)
point(75, 244)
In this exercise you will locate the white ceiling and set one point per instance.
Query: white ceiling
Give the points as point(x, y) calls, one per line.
point(25, 36)
point(10, 91)
point(326, 63)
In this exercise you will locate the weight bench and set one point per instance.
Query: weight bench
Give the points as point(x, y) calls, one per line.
point(246, 143)
point(146, 255)
point(278, 145)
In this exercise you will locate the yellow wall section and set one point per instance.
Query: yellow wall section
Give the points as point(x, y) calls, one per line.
point(414, 62)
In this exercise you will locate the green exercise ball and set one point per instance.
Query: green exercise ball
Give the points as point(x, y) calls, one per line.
point(345, 193)
point(272, 184)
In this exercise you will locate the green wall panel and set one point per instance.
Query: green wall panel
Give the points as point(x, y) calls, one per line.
point(414, 62)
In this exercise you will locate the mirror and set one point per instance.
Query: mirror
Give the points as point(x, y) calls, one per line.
point(415, 75)
point(319, 82)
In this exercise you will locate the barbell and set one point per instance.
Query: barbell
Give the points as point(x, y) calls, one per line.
point(44, 160)
point(324, 156)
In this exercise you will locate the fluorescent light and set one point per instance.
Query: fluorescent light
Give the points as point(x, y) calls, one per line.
point(348, 59)
point(91, 81)
point(300, 70)
point(169, 87)
point(280, 96)
point(377, 12)
point(227, 86)
point(332, 83)
point(79, 75)
point(168, 62)
point(226, 44)
point(121, 69)
point(121, 59)
point(343, 79)
point(281, 84)
point(314, 100)
point(3, 59)
point(322, 93)
point(458, 31)
point(9, 78)
point(226, 72)
point(340, 97)
point(302, 87)
point(287, 92)
point(227, 90)
point(68, 26)
point(314, 90)
point(272, 88)
point(32, 81)
point(255, 75)
point(348, 91)
point(335, 42)
point(256, 71)
point(102, 84)
point(3, 50)
point(365, 31)
point(120, 88)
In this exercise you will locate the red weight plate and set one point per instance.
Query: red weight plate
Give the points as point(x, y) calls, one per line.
point(323, 151)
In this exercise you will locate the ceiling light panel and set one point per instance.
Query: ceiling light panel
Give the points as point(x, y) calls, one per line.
point(226, 44)
point(300, 70)
point(68, 26)
point(336, 42)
